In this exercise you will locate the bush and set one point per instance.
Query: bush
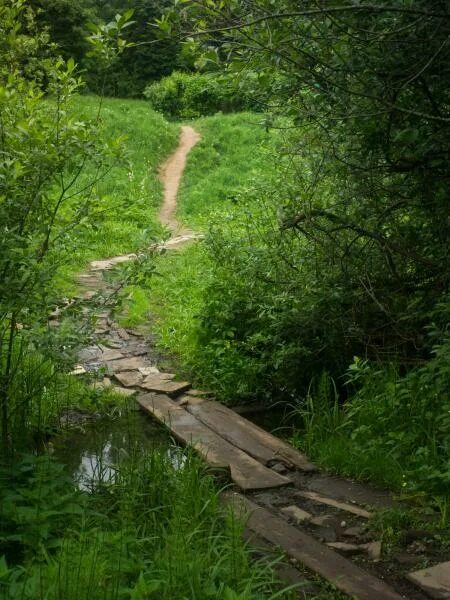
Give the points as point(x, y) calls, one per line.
point(394, 430)
point(190, 95)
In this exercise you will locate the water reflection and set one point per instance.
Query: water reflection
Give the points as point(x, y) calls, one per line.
point(94, 453)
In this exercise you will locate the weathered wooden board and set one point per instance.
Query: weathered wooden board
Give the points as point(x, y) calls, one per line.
point(330, 565)
point(435, 581)
point(246, 472)
point(247, 436)
point(351, 508)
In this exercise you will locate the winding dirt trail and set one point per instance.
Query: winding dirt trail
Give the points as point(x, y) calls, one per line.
point(170, 173)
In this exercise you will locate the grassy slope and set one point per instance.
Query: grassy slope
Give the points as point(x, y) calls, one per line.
point(127, 196)
point(232, 153)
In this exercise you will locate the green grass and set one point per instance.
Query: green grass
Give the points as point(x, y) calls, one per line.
point(232, 152)
point(156, 531)
point(126, 197)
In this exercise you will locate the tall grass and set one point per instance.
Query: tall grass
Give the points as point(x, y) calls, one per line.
point(126, 197)
point(232, 152)
point(154, 531)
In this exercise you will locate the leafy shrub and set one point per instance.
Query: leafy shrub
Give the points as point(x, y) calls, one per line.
point(394, 430)
point(190, 95)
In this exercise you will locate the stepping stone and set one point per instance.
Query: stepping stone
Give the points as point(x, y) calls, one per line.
point(356, 510)
point(127, 364)
point(91, 353)
point(129, 378)
point(101, 330)
point(325, 521)
point(434, 581)
point(148, 371)
point(160, 383)
point(344, 548)
point(341, 572)
point(122, 333)
point(245, 471)
point(110, 354)
point(247, 436)
point(296, 513)
point(373, 549)
point(136, 350)
point(113, 344)
point(78, 370)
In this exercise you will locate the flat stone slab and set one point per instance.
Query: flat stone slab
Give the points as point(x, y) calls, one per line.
point(104, 265)
point(247, 436)
point(129, 378)
point(122, 333)
point(148, 371)
point(348, 549)
point(434, 581)
point(161, 383)
point(327, 563)
point(127, 364)
point(351, 508)
point(296, 513)
point(110, 354)
point(90, 353)
point(246, 472)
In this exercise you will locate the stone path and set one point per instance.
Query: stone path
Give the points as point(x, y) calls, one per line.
point(317, 520)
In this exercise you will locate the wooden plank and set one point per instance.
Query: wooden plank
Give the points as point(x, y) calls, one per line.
point(351, 508)
point(247, 436)
point(434, 581)
point(245, 471)
point(330, 565)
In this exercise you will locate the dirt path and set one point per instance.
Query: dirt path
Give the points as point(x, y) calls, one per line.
point(170, 173)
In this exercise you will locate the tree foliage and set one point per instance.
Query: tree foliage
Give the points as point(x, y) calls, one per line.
point(365, 90)
point(44, 149)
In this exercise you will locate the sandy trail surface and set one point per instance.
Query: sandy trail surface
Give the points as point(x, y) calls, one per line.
point(170, 173)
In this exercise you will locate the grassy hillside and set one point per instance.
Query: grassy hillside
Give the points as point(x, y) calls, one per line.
point(127, 195)
point(233, 155)
point(233, 152)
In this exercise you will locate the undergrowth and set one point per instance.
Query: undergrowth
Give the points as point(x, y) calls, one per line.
point(155, 530)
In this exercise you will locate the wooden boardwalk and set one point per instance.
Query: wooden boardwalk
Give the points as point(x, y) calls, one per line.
point(231, 443)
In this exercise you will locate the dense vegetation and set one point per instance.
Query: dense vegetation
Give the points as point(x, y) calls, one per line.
point(79, 181)
point(333, 264)
point(321, 283)
point(69, 22)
